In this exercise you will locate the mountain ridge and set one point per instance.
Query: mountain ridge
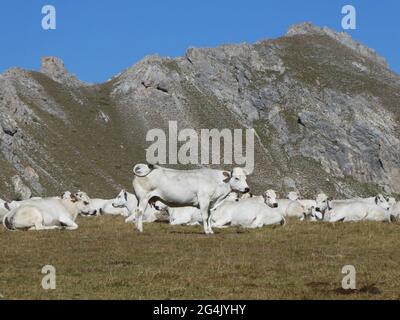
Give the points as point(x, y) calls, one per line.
point(325, 110)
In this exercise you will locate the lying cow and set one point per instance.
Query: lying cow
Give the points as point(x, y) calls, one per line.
point(190, 216)
point(48, 213)
point(129, 202)
point(105, 207)
point(201, 188)
point(371, 200)
point(254, 212)
point(354, 210)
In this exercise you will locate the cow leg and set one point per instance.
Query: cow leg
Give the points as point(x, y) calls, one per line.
point(196, 223)
point(39, 226)
point(143, 204)
point(132, 217)
point(221, 222)
point(177, 222)
point(258, 222)
point(68, 223)
point(337, 218)
point(43, 228)
point(209, 221)
point(205, 215)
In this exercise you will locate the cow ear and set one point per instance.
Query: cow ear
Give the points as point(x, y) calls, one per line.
point(227, 176)
point(376, 200)
point(74, 198)
point(6, 205)
point(126, 196)
point(264, 194)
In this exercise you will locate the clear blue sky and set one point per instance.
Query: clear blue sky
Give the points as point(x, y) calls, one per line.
point(99, 38)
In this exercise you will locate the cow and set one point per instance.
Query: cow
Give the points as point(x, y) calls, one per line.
point(129, 202)
point(201, 188)
point(354, 210)
point(254, 212)
point(48, 213)
point(105, 207)
point(190, 216)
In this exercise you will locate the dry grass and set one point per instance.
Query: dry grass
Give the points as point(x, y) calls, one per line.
point(107, 259)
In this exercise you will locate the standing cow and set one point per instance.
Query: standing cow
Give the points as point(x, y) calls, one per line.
point(201, 188)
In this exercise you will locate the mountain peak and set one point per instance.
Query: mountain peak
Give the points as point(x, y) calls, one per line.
point(307, 28)
point(54, 68)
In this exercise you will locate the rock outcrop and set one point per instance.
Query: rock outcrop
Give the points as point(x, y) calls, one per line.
point(54, 68)
point(21, 191)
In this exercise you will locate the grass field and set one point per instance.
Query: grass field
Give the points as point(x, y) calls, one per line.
point(107, 259)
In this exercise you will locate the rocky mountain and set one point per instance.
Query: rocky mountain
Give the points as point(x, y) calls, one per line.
point(325, 110)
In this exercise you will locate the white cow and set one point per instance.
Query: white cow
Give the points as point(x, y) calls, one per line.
point(105, 207)
point(129, 202)
point(190, 216)
point(354, 210)
point(48, 213)
point(370, 200)
point(202, 188)
point(254, 212)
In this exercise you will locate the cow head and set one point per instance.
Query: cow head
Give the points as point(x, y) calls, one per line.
point(270, 198)
point(121, 201)
point(66, 195)
point(237, 180)
point(160, 206)
point(382, 202)
point(247, 195)
point(82, 202)
point(322, 203)
point(314, 215)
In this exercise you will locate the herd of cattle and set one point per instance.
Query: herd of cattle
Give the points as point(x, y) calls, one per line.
point(213, 198)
